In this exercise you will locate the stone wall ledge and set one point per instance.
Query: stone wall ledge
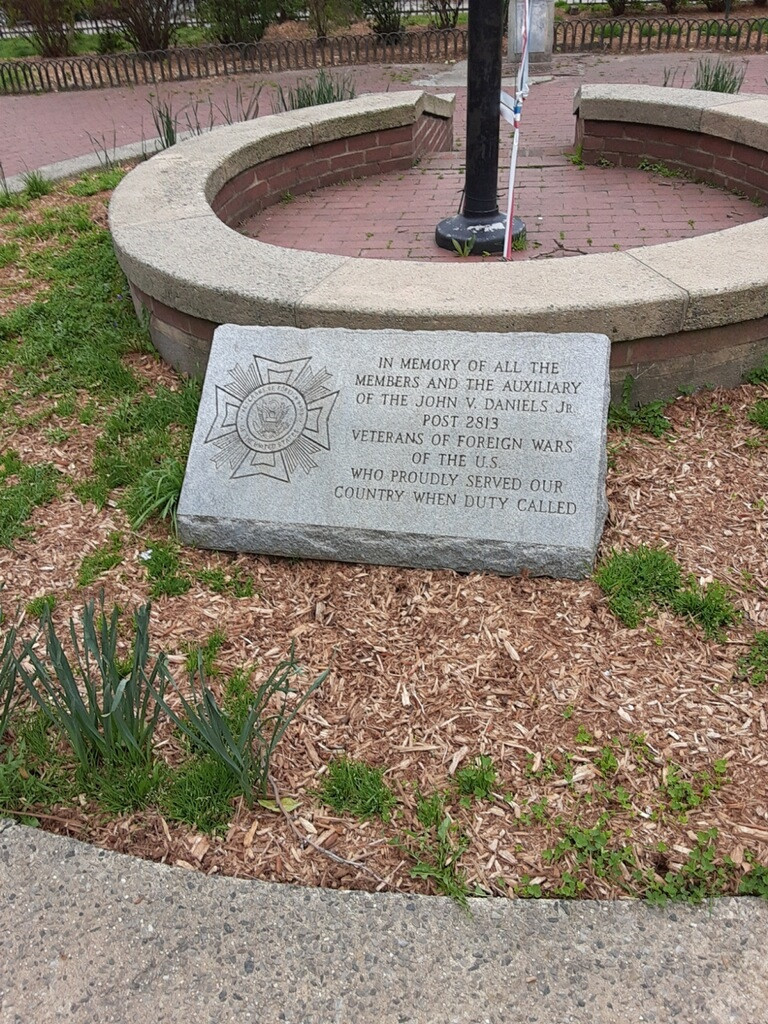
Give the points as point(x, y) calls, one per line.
point(178, 252)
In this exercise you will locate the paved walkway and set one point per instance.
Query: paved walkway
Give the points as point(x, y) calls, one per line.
point(91, 938)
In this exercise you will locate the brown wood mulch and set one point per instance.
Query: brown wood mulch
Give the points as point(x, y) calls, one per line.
point(431, 668)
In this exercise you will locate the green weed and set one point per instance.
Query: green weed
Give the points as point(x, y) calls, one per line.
point(753, 666)
point(101, 560)
point(648, 418)
point(755, 882)
point(437, 849)
point(584, 737)
point(536, 813)
point(759, 375)
point(662, 169)
point(591, 848)
point(357, 788)
point(699, 878)
point(476, 780)
point(548, 768)
point(606, 762)
point(464, 248)
point(164, 570)
point(681, 795)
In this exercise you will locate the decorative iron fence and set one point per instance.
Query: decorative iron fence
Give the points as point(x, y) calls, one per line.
point(85, 72)
point(749, 34)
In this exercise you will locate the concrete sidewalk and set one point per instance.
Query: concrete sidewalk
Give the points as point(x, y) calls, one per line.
point(95, 937)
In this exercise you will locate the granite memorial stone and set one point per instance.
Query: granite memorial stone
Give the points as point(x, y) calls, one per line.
point(423, 449)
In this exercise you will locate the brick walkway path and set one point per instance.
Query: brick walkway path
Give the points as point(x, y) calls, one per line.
point(566, 209)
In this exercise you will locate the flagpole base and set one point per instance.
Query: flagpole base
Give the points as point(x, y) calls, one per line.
point(474, 236)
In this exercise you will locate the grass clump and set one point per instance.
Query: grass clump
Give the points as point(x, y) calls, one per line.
point(60, 223)
point(759, 413)
point(710, 608)
point(200, 794)
point(206, 654)
point(101, 560)
point(8, 676)
point(128, 782)
point(234, 585)
point(635, 581)
point(312, 92)
point(355, 787)
point(35, 185)
point(22, 489)
point(648, 418)
point(9, 254)
point(33, 771)
point(719, 75)
point(100, 181)
point(74, 337)
point(476, 780)
point(42, 605)
point(753, 666)
point(143, 448)
point(156, 493)
point(164, 570)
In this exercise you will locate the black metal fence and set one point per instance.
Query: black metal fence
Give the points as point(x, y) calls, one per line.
point(626, 35)
point(85, 72)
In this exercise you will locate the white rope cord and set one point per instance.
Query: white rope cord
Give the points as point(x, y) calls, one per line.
point(511, 111)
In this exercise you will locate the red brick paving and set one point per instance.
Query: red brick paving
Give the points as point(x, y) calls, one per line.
point(565, 208)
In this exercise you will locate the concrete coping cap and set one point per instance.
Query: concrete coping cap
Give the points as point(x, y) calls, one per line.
point(173, 247)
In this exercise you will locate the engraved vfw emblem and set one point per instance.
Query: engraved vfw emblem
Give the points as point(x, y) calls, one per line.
point(271, 418)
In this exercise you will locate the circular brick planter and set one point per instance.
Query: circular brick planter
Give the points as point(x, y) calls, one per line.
point(680, 314)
